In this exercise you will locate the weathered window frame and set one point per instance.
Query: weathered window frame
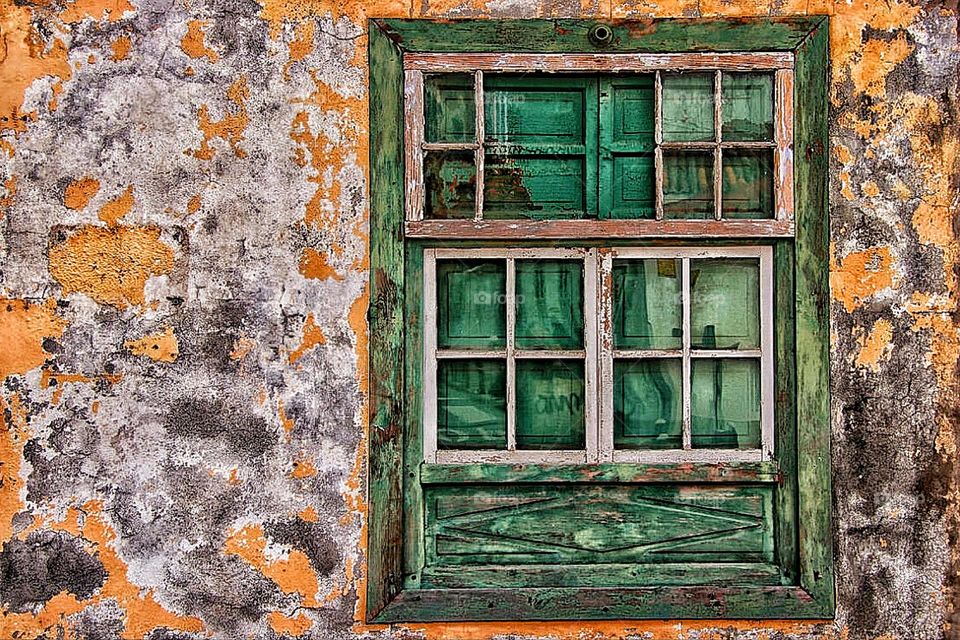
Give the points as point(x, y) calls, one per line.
point(598, 356)
point(801, 298)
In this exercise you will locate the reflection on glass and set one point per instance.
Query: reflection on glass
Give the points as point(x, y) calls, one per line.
point(647, 307)
point(647, 411)
point(687, 107)
point(450, 184)
point(471, 404)
point(550, 402)
point(748, 183)
point(725, 303)
point(449, 106)
point(549, 304)
point(747, 106)
point(471, 304)
point(688, 184)
point(725, 403)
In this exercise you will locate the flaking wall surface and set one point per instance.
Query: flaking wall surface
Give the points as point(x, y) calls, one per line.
point(183, 342)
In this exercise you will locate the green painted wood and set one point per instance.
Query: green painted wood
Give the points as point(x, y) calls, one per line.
point(747, 183)
point(549, 304)
point(647, 404)
point(386, 321)
point(605, 473)
point(785, 419)
point(747, 107)
point(603, 575)
point(598, 524)
point(472, 404)
point(541, 138)
point(471, 304)
point(725, 303)
point(579, 603)
point(572, 36)
point(627, 175)
point(647, 307)
point(550, 404)
point(413, 554)
point(811, 150)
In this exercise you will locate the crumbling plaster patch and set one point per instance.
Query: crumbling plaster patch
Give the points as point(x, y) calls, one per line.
point(221, 488)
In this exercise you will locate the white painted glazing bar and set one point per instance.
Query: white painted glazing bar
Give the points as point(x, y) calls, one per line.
point(511, 356)
point(429, 356)
point(590, 365)
point(767, 346)
point(413, 144)
point(608, 62)
point(605, 355)
point(685, 293)
point(479, 155)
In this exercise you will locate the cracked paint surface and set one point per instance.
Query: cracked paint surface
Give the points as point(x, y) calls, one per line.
point(183, 340)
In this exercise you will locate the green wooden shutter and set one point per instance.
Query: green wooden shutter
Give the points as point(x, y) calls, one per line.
point(627, 187)
point(541, 140)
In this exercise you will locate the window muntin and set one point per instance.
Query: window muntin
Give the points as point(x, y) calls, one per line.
point(577, 344)
point(707, 139)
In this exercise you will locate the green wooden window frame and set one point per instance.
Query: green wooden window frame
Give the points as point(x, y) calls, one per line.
point(801, 302)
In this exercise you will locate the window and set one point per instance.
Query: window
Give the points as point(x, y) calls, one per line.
point(598, 330)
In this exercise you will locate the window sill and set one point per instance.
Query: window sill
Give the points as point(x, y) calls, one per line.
point(574, 603)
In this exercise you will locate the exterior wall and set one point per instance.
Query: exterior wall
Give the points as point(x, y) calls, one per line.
point(183, 337)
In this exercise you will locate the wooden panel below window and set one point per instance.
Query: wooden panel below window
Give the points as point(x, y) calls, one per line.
point(608, 524)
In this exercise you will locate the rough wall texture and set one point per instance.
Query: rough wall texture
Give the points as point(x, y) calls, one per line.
point(184, 262)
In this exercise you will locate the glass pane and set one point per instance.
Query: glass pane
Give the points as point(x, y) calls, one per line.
point(533, 186)
point(688, 184)
point(647, 410)
point(450, 184)
point(549, 304)
point(524, 109)
point(725, 303)
point(748, 183)
point(725, 403)
point(687, 107)
point(471, 404)
point(471, 309)
point(647, 307)
point(550, 397)
point(449, 106)
point(747, 106)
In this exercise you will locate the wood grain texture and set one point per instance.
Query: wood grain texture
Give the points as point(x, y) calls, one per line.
point(607, 62)
point(813, 320)
point(598, 524)
point(740, 472)
point(579, 603)
point(572, 36)
point(605, 575)
point(386, 320)
point(596, 229)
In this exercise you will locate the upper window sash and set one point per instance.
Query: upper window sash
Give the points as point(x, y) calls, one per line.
point(416, 147)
